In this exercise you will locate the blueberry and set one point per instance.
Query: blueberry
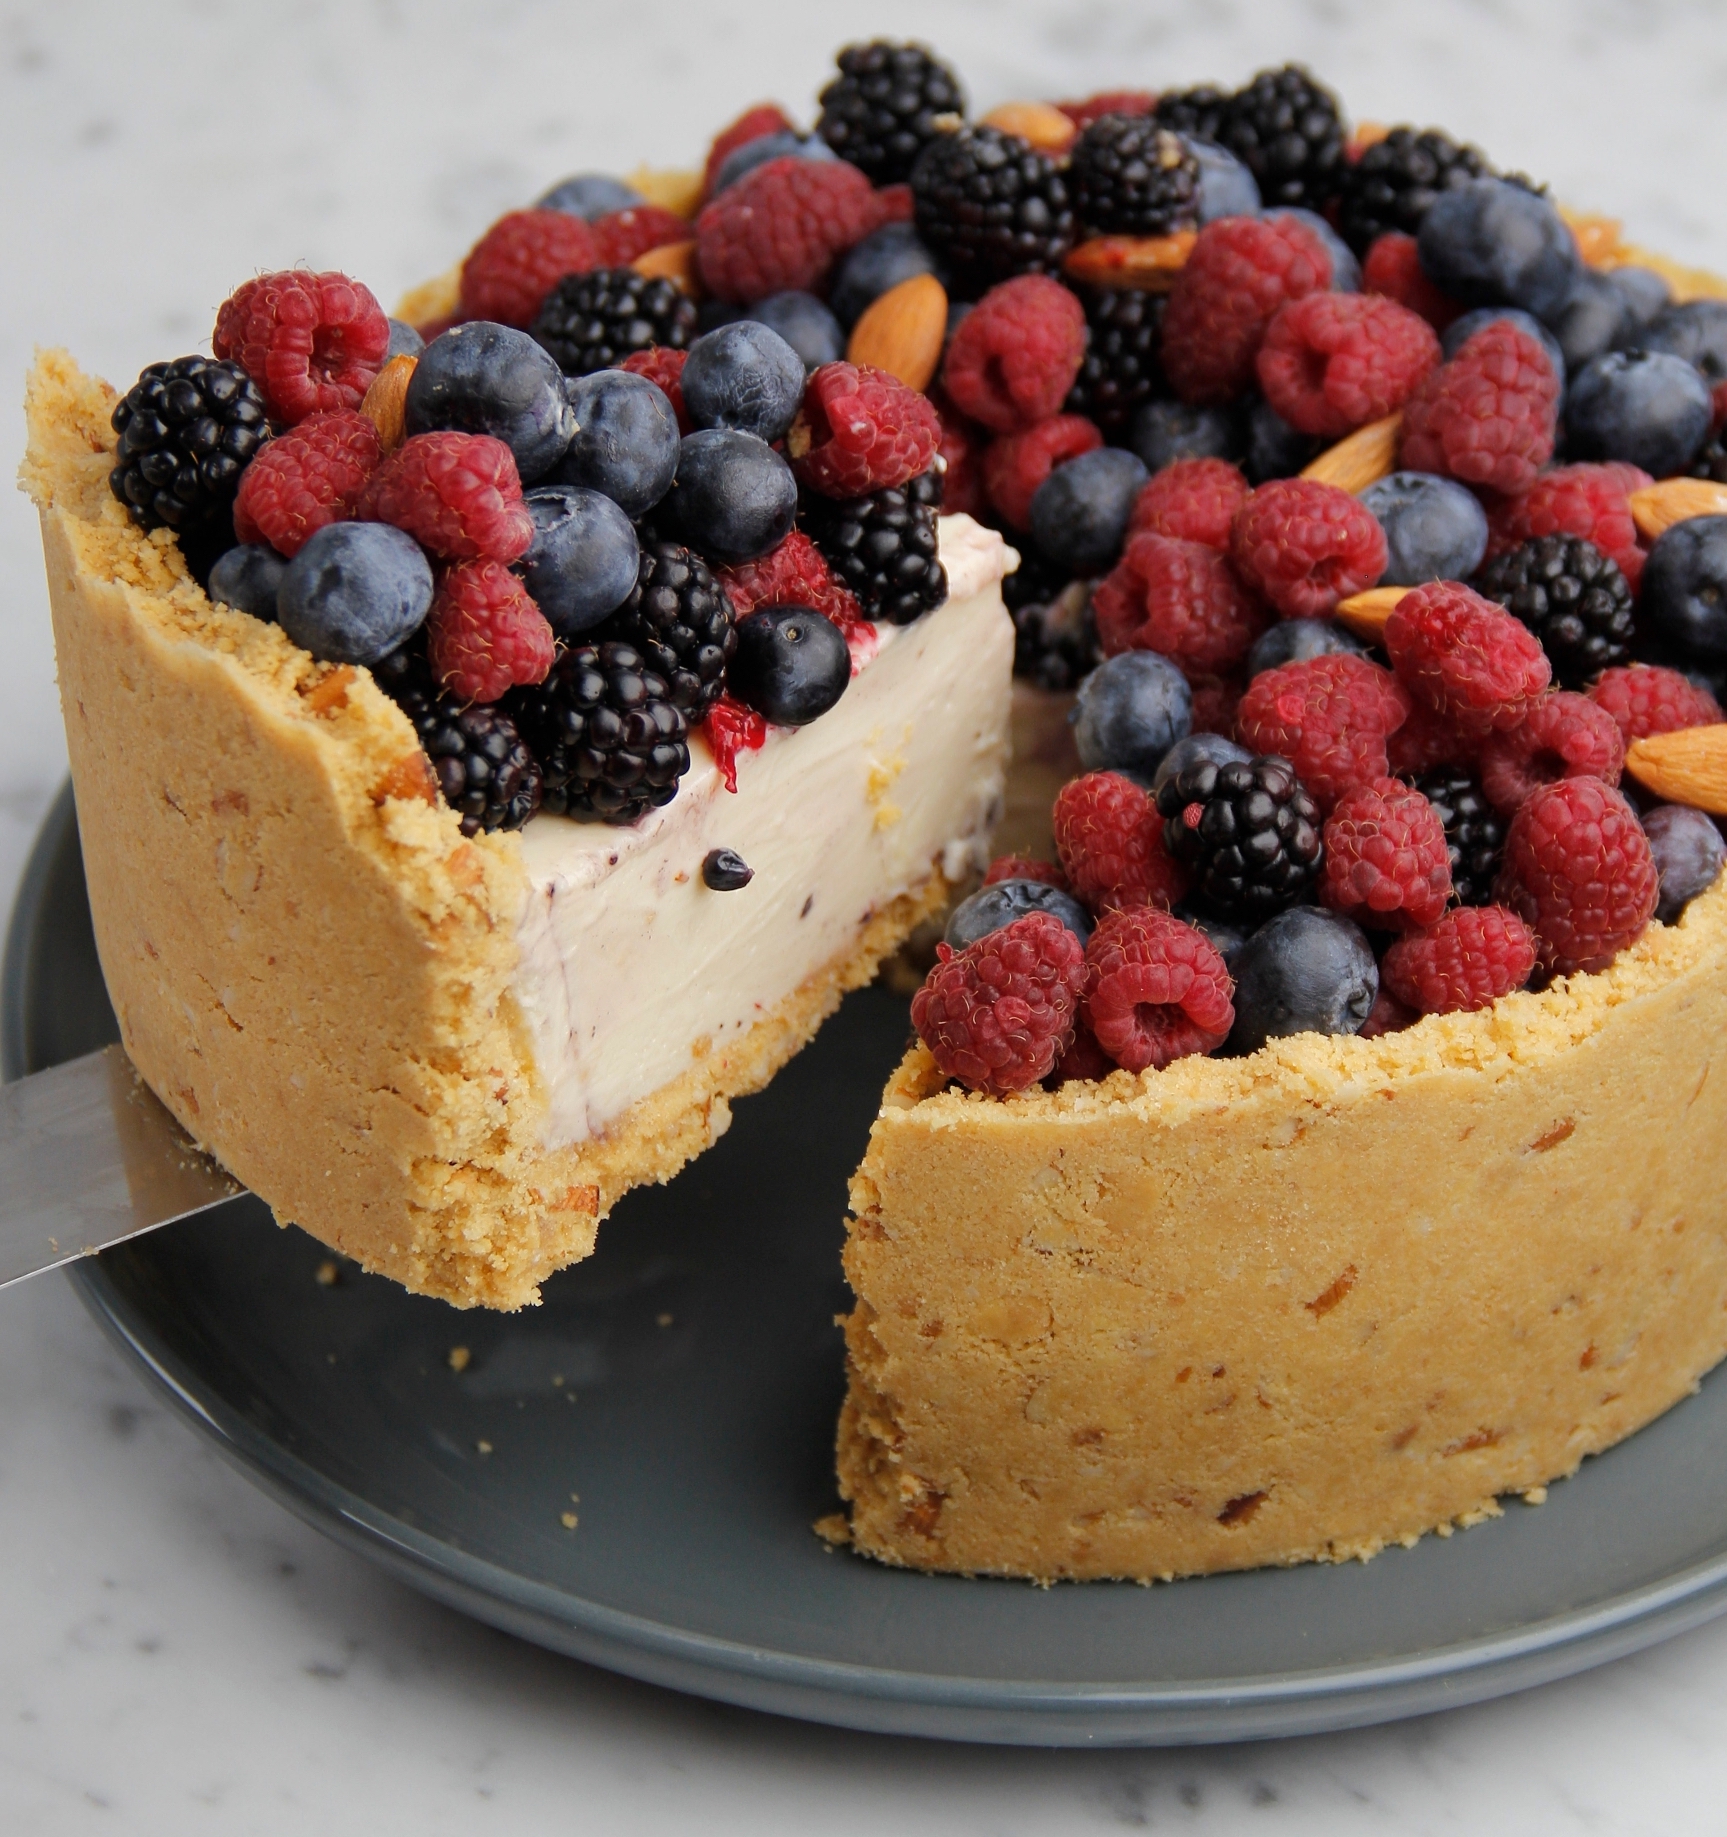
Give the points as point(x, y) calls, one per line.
point(758, 152)
point(734, 497)
point(1646, 295)
point(724, 870)
point(1166, 431)
point(990, 908)
point(1492, 243)
point(744, 376)
point(1079, 513)
point(884, 258)
point(791, 665)
point(1434, 528)
point(1596, 318)
point(1274, 448)
point(1683, 604)
point(1296, 640)
point(711, 314)
point(404, 341)
point(1129, 712)
point(1223, 938)
point(1648, 408)
point(1226, 187)
point(589, 195)
point(805, 324)
point(483, 378)
point(1345, 268)
point(626, 441)
point(1688, 854)
point(248, 578)
point(1696, 331)
point(1209, 749)
point(582, 562)
point(1458, 333)
point(1304, 971)
point(355, 591)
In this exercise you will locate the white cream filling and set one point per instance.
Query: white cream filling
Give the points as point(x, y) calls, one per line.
point(631, 968)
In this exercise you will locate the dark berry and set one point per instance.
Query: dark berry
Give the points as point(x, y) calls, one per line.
point(724, 870)
point(1003, 901)
point(1493, 243)
point(1166, 431)
point(405, 341)
point(626, 440)
point(1200, 749)
point(992, 205)
point(1305, 971)
point(490, 379)
point(806, 324)
point(1393, 184)
point(1345, 269)
point(248, 578)
point(1079, 514)
point(1683, 600)
point(1696, 331)
point(1435, 529)
point(1648, 408)
point(734, 497)
point(1474, 832)
point(884, 547)
point(1226, 187)
point(582, 562)
point(483, 766)
point(742, 161)
point(1130, 711)
point(1688, 855)
point(884, 258)
point(1287, 130)
point(1119, 371)
point(678, 616)
point(355, 592)
point(589, 195)
point(886, 105)
point(1572, 597)
point(1298, 640)
point(594, 321)
point(1459, 332)
point(743, 376)
point(1249, 831)
point(1274, 448)
point(1197, 112)
point(1054, 635)
point(1131, 177)
point(1596, 318)
point(188, 429)
point(791, 665)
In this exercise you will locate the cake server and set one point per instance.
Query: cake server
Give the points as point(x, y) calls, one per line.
point(89, 1157)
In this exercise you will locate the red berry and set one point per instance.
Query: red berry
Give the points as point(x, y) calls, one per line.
point(895, 203)
point(1108, 102)
point(1578, 868)
point(861, 430)
point(621, 235)
point(1646, 699)
point(484, 633)
point(1179, 598)
point(1466, 960)
point(1392, 266)
point(1328, 716)
point(753, 124)
point(1591, 501)
point(730, 729)
point(1562, 736)
point(1387, 1015)
point(1305, 546)
point(1216, 704)
point(998, 1014)
point(780, 227)
point(663, 366)
point(519, 260)
point(1240, 271)
point(307, 477)
point(1386, 864)
point(1427, 740)
point(1156, 989)
point(962, 475)
point(1016, 353)
point(1487, 417)
point(1194, 500)
point(1016, 464)
point(1110, 840)
point(1084, 1059)
point(1466, 658)
point(311, 342)
point(458, 495)
point(797, 574)
point(1332, 362)
point(1024, 867)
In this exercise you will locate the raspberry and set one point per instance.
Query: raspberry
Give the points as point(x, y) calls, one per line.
point(1590, 501)
point(780, 227)
point(1386, 861)
point(306, 478)
point(730, 729)
point(1392, 267)
point(621, 235)
point(1467, 960)
point(1578, 868)
point(1110, 841)
point(1155, 990)
point(1216, 702)
point(663, 366)
point(1562, 736)
point(1241, 270)
point(1427, 740)
point(1488, 416)
point(311, 342)
point(484, 633)
point(1084, 1059)
point(1332, 362)
point(1305, 546)
point(1016, 353)
point(1465, 657)
point(962, 474)
point(1024, 867)
point(1647, 699)
point(797, 574)
point(457, 495)
point(861, 430)
point(1016, 464)
point(1328, 716)
point(1194, 500)
point(998, 1014)
point(1179, 598)
point(1108, 102)
point(1387, 1015)
point(520, 259)
point(753, 124)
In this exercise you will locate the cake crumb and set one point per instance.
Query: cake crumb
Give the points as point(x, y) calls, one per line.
point(662, 1320)
point(834, 1530)
point(557, 1380)
point(567, 1520)
point(460, 1358)
point(484, 1447)
point(327, 1274)
point(1535, 1495)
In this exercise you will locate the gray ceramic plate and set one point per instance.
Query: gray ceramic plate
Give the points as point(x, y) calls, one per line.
point(684, 1382)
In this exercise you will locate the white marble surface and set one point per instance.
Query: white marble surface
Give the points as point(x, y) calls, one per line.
point(176, 1653)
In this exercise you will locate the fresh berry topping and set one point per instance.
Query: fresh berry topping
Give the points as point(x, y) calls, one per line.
point(589, 195)
point(791, 665)
point(1428, 741)
point(1305, 546)
point(1474, 831)
point(1181, 599)
point(311, 476)
point(806, 324)
point(1329, 716)
point(491, 379)
point(247, 577)
point(1688, 853)
point(582, 561)
point(355, 592)
point(457, 495)
point(1241, 270)
point(1562, 736)
point(859, 430)
point(1394, 183)
point(1024, 867)
point(1197, 113)
point(780, 227)
point(626, 440)
point(731, 730)
point(998, 903)
point(1130, 711)
point(1016, 353)
point(1288, 131)
point(1194, 500)
point(1593, 502)
point(519, 260)
point(1084, 1060)
point(1296, 640)
point(1578, 868)
point(1434, 528)
point(1488, 416)
point(1156, 990)
point(1131, 177)
point(1164, 432)
point(1465, 960)
point(992, 205)
point(1393, 267)
point(1198, 748)
point(622, 235)
point(886, 105)
point(1387, 865)
point(598, 320)
point(997, 1015)
point(310, 342)
point(1491, 242)
point(1572, 597)
point(884, 547)
point(1120, 370)
point(1332, 362)
point(794, 574)
point(1016, 464)
point(663, 366)
point(884, 258)
point(744, 376)
point(1108, 102)
point(1465, 657)
point(188, 430)
point(1079, 514)
point(1684, 604)
point(1645, 408)
point(1305, 971)
point(1111, 844)
point(1054, 634)
point(1248, 830)
point(734, 497)
point(1695, 331)
point(1216, 703)
point(679, 619)
point(484, 633)
point(961, 466)
point(1387, 1015)
point(753, 124)
point(1646, 699)
point(1274, 448)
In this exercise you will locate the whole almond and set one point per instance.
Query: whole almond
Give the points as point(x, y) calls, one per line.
point(1657, 508)
point(902, 331)
point(1365, 613)
point(1359, 459)
point(385, 403)
point(1042, 123)
point(1147, 263)
point(671, 188)
point(672, 261)
point(1687, 767)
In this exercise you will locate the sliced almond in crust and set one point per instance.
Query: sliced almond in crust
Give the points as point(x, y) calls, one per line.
point(385, 403)
point(1359, 459)
point(902, 331)
point(1675, 500)
point(1687, 767)
point(672, 261)
point(1042, 123)
point(1365, 613)
point(1149, 263)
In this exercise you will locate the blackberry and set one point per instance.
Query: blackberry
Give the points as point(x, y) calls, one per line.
point(1054, 635)
point(1572, 597)
point(885, 106)
point(608, 736)
point(1130, 177)
point(188, 428)
point(1199, 112)
point(1474, 832)
point(884, 547)
point(993, 205)
point(1249, 830)
point(1286, 129)
point(1120, 369)
point(679, 618)
point(1395, 181)
point(593, 321)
